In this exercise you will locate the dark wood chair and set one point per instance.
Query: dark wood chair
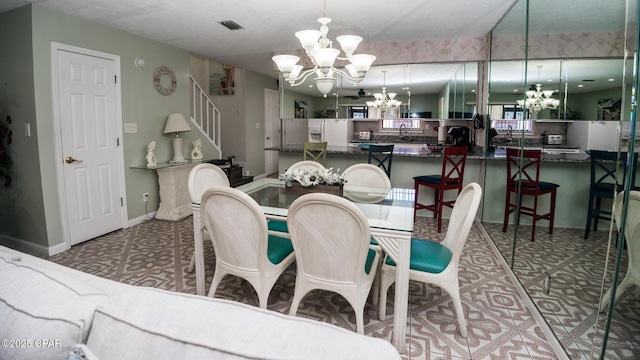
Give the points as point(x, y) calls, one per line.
point(523, 177)
point(450, 178)
point(608, 176)
point(381, 156)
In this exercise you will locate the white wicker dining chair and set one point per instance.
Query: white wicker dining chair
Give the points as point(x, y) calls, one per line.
point(366, 175)
point(280, 227)
point(377, 184)
point(202, 177)
point(243, 248)
point(330, 237)
point(632, 239)
point(437, 263)
point(305, 164)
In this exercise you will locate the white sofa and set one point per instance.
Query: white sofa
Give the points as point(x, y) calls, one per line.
point(48, 311)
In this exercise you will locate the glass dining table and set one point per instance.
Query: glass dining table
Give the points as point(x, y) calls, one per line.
point(390, 215)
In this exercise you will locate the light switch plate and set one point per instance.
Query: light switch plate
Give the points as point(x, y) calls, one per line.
point(130, 128)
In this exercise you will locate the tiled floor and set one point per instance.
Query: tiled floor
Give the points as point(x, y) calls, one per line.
point(575, 267)
point(500, 324)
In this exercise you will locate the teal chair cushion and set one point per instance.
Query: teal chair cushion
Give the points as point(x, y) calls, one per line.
point(370, 256)
point(373, 241)
point(275, 225)
point(278, 249)
point(427, 256)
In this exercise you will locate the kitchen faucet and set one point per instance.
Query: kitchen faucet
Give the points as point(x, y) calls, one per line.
point(405, 131)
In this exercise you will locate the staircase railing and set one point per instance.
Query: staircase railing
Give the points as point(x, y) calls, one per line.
point(204, 115)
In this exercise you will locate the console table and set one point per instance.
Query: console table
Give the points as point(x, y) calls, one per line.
point(175, 201)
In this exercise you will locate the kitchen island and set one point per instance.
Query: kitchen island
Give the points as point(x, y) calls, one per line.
point(570, 171)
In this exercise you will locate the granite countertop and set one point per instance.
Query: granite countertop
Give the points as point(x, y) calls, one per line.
point(411, 150)
point(420, 152)
point(580, 157)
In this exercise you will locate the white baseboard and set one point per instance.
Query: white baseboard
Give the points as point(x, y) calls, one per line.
point(31, 248)
point(44, 251)
point(141, 219)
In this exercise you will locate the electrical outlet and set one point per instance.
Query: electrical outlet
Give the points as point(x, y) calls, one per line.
point(145, 197)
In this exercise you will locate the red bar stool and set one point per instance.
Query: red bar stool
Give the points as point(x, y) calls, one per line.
point(523, 174)
point(450, 179)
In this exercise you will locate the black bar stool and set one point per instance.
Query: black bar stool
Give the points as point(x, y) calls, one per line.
point(381, 156)
point(605, 183)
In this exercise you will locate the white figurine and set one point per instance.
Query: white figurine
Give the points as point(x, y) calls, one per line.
point(151, 157)
point(196, 153)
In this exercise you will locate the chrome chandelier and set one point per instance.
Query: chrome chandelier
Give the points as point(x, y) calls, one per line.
point(319, 49)
point(384, 100)
point(538, 99)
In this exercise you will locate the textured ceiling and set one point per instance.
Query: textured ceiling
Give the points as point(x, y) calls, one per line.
point(270, 26)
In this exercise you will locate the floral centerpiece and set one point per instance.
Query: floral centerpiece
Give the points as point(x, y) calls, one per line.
point(312, 180)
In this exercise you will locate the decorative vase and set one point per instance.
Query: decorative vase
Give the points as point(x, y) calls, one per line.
point(299, 190)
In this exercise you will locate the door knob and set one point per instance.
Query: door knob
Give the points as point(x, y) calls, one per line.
point(69, 160)
point(268, 138)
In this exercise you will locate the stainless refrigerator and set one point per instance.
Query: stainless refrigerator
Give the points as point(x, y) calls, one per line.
point(294, 132)
point(336, 132)
point(593, 135)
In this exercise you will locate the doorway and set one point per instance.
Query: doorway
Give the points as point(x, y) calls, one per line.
point(87, 120)
point(271, 130)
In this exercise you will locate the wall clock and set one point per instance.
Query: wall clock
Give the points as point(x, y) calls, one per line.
point(164, 80)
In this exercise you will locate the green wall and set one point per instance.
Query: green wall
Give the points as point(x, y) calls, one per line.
point(26, 95)
point(22, 214)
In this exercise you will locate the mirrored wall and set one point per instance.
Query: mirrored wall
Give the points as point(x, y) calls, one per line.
point(427, 91)
point(579, 58)
point(578, 61)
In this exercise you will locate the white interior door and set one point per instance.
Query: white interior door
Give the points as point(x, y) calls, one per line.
point(89, 144)
point(271, 130)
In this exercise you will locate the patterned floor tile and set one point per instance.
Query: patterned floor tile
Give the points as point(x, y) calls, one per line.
point(506, 344)
point(576, 267)
point(157, 253)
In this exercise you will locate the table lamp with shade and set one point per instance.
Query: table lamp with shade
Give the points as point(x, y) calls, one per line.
point(177, 124)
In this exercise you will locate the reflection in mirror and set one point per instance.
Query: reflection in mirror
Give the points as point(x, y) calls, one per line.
point(577, 84)
point(437, 91)
point(462, 92)
point(562, 272)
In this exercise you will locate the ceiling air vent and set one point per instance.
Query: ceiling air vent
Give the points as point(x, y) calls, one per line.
point(230, 24)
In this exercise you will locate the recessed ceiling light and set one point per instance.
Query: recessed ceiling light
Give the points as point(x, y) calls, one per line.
point(611, 79)
point(515, 90)
point(580, 85)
